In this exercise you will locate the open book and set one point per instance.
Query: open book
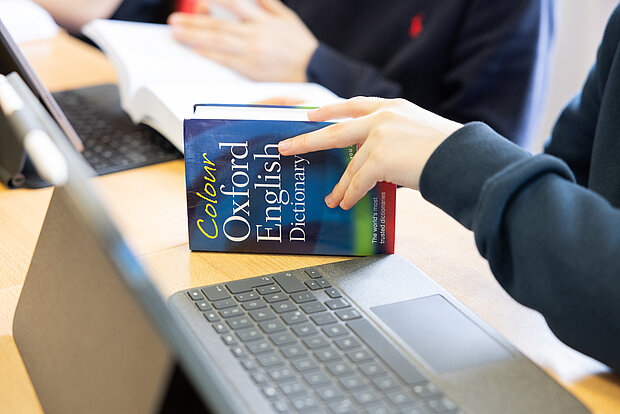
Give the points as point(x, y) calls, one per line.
point(160, 80)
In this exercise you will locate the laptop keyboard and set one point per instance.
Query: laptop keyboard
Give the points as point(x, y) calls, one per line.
point(111, 141)
point(309, 349)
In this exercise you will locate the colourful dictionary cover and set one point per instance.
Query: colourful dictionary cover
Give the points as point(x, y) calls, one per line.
point(243, 196)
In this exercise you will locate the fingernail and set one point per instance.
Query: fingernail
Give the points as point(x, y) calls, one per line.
point(284, 145)
point(328, 200)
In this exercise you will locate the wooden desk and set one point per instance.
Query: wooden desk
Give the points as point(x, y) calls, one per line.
point(149, 207)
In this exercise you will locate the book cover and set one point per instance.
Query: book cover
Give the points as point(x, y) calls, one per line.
point(243, 196)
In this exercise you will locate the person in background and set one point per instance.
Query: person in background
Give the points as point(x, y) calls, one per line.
point(73, 14)
point(548, 224)
point(466, 60)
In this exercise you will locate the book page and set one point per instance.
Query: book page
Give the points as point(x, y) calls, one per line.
point(145, 53)
point(164, 105)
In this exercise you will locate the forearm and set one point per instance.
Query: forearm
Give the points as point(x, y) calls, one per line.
point(551, 243)
point(73, 14)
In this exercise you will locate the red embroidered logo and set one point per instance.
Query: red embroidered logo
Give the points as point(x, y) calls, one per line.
point(416, 28)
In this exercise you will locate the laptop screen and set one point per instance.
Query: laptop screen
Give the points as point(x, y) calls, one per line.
point(12, 60)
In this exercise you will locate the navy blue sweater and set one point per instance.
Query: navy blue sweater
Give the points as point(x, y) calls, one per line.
point(468, 60)
point(549, 224)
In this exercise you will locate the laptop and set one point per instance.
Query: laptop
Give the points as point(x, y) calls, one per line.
point(93, 121)
point(365, 335)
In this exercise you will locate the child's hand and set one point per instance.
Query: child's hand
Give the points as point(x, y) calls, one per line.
point(269, 42)
point(396, 140)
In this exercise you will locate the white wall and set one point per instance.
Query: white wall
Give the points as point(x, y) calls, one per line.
point(578, 32)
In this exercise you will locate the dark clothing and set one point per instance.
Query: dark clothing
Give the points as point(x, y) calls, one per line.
point(467, 60)
point(147, 11)
point(549, 224)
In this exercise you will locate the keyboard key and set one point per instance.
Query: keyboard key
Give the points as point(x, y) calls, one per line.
point(249, 364)
point(195, 294)
point(294, 350)
point(270, 391)
point(323, 283)
point(260, 315)
point(313, 273)
point(347, 343)
point(333, 292)
point(260, 378)
point(345, 406)
point(314, 342)
point(289, 283)
point(216, 292)
point(229, 339)
point(212, 316)
point(337, 303)
point(385, 382)
point(304, 404)
point(280, 373)
point(315, 378)
point(239, 322)
point(237, 351)
point(304, 329)
point(284, 306)
point(304, 364)
point(225, 303)
point(275, 297)
point(249, 334)
point(291, 318)
point(330, 392)
point(244, 297)
point(293, 388)
point(254, 304)
point(265, 290)
point(348, 314)
point(373, 369)
point(258, 347)
point(247, 285)
point(427, 391)
point(269, 360)
point(366, 396)
point(281, 406)
point(339, 368)
point(281, 338)
point(386, 351)
point(220, 327)
point(335, 330)
point(272, 326)
point(203, 305)
point(312, 284)
point(323, 318)
point(303, 297)
point(230, 312)
point(401, 398)
point(328, 354)
point(443, 405)
point(313, 307)
point(352, 382)
point(360, 355)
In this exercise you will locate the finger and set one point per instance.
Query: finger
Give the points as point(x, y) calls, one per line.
point(361, 183)
point(275, 7)
point(203, 40)
point(280, 100)
point(339, 190)
point(351, 108)
point(244, 9)
point(340, 135)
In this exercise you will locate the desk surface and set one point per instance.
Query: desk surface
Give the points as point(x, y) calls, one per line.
point(425, 235)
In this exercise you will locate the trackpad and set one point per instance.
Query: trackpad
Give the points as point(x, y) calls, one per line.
point(443, 336)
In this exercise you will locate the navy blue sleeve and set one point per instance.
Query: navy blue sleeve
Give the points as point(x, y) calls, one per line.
point(551, 243)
